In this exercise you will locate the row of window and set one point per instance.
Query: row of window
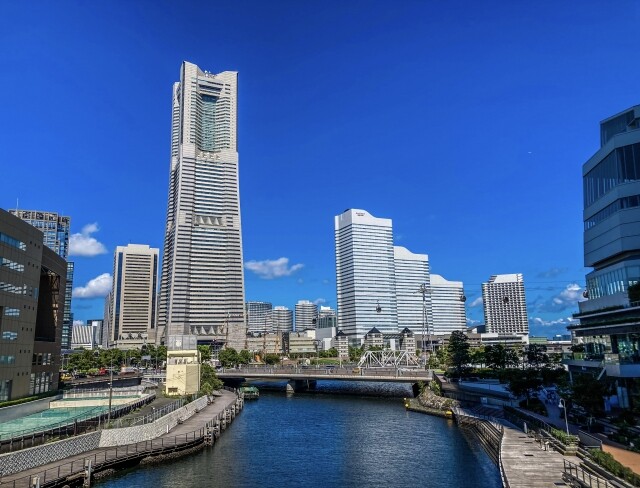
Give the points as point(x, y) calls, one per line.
point(9, 336)
point(611, 282)
point(7, 359)
point(40, 383)
point(622, 165)
point(41, 359)
point(7, 263)
point(13, 242)
point(620, 204)
point(17, 289)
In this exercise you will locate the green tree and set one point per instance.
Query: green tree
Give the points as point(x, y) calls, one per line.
point(536, 355)
point(332, 353)
point(205, 353)
point(208, 377)
point(634, 293)
point(589, 393)
point(458, 349)
point(524, 382)
point(245, 357)
point(355, 353)
point(477, 356)
point(228, 357)
point(271, 358)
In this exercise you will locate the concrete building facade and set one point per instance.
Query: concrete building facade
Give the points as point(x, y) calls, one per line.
point(448, 312)
point(202, 284)
point(56, 232)
point(306, 315)
point(133, 295)
point(282, 319)
point(259, 317)
point(32, 294)
point(505, 306)
point(412, 272)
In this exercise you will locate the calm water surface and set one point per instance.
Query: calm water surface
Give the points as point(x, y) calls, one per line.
point(328, 439)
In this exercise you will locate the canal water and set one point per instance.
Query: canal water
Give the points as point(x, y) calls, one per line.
point(344, 435)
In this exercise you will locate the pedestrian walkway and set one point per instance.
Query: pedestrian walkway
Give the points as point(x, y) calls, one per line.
point(75, 463)
point(527, 464)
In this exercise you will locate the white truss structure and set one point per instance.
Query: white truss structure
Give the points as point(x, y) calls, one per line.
point(388, 359)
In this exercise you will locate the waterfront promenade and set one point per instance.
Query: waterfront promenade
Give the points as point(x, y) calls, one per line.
point(185, 433)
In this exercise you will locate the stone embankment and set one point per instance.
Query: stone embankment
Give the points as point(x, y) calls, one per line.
point(430, 403)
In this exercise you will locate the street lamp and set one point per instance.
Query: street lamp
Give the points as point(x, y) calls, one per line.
point(563, 404)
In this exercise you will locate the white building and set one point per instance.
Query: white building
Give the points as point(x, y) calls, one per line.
point(259, 317)
point(327, 318)
point(306, 315)
point(365, 274)
point(202, 284)
point(133, 295)
point(84, 336)
point(411, 272)
point(282, 319)
point(447, 306)
point(505, 307)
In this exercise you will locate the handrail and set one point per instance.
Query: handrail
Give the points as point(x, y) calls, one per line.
point(584, 477)
point(106, 456)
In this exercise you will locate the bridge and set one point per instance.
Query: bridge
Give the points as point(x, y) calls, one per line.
point(304, 377)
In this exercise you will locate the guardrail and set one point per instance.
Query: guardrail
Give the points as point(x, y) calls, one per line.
point(91, 421)
point(102, 392)
point(573, 472)
point(112, 456)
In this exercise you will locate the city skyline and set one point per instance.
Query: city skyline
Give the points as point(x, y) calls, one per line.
point(506, 200)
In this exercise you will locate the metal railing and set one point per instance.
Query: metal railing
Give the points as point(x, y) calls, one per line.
point(573, 472)
point(149, 418)
point(91, 421)
point(103, 459)
point(102, 392)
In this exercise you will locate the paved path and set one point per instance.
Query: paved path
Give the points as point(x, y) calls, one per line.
point(75, 463)
point(526, 465)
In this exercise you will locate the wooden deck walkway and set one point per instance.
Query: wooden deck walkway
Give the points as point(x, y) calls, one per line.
point(168, 440)
point(527, 465)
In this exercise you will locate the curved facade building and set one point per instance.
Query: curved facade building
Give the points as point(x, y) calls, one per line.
point(611, 180)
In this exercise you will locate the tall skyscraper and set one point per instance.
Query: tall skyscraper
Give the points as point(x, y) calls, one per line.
point(282, 319)
point(133, 317)
point(306, 315)
point(365, 274)
point(505, 307)
point(55, 229)
point(259, 317)
point(447, 306)
point(202, 284)
point(411, 272)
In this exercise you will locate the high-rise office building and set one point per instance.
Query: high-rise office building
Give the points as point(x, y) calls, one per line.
point(202, 284)
point(505, 307)
point(306, 315)
point(106, 322)
point(32, 284)
point(282, 319)
point(608, 326)
point(55, 229)
point(326, 318)
point(259, 317)
point(365, 274)
point(411, 273)
point(448, 312)
point(133, 294)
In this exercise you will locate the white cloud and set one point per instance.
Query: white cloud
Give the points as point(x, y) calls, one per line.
point(538, 321)
point(471, 322)
point(97, 287)
point(476, 303)
point(552, 272)
point(566, 299)
point(78, 322)
point(83, 244)
point(319, 301)
point(272, 268)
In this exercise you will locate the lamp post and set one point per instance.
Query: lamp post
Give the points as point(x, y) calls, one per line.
point(563, 404)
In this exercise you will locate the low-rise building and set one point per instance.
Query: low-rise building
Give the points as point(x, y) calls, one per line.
point(341, 343)
point(373, 338)
point(183, 365)
point(299, 343)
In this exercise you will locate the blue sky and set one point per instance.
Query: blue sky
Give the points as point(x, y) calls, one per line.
point(466, 123)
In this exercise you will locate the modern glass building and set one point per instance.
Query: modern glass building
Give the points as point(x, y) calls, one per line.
point(55, 229)
point(202, 284)
point(609, 326)
point(448, 311)
point(365, 274)
point(411, 273)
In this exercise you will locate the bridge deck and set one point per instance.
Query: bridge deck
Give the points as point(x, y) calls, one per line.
point(340, 374)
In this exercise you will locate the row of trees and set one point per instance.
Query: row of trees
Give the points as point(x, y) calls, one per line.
point(87, 360)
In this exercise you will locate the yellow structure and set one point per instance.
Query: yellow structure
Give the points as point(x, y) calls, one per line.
point(183, 372)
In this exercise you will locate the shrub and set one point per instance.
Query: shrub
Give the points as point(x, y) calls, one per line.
point(607, 461)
